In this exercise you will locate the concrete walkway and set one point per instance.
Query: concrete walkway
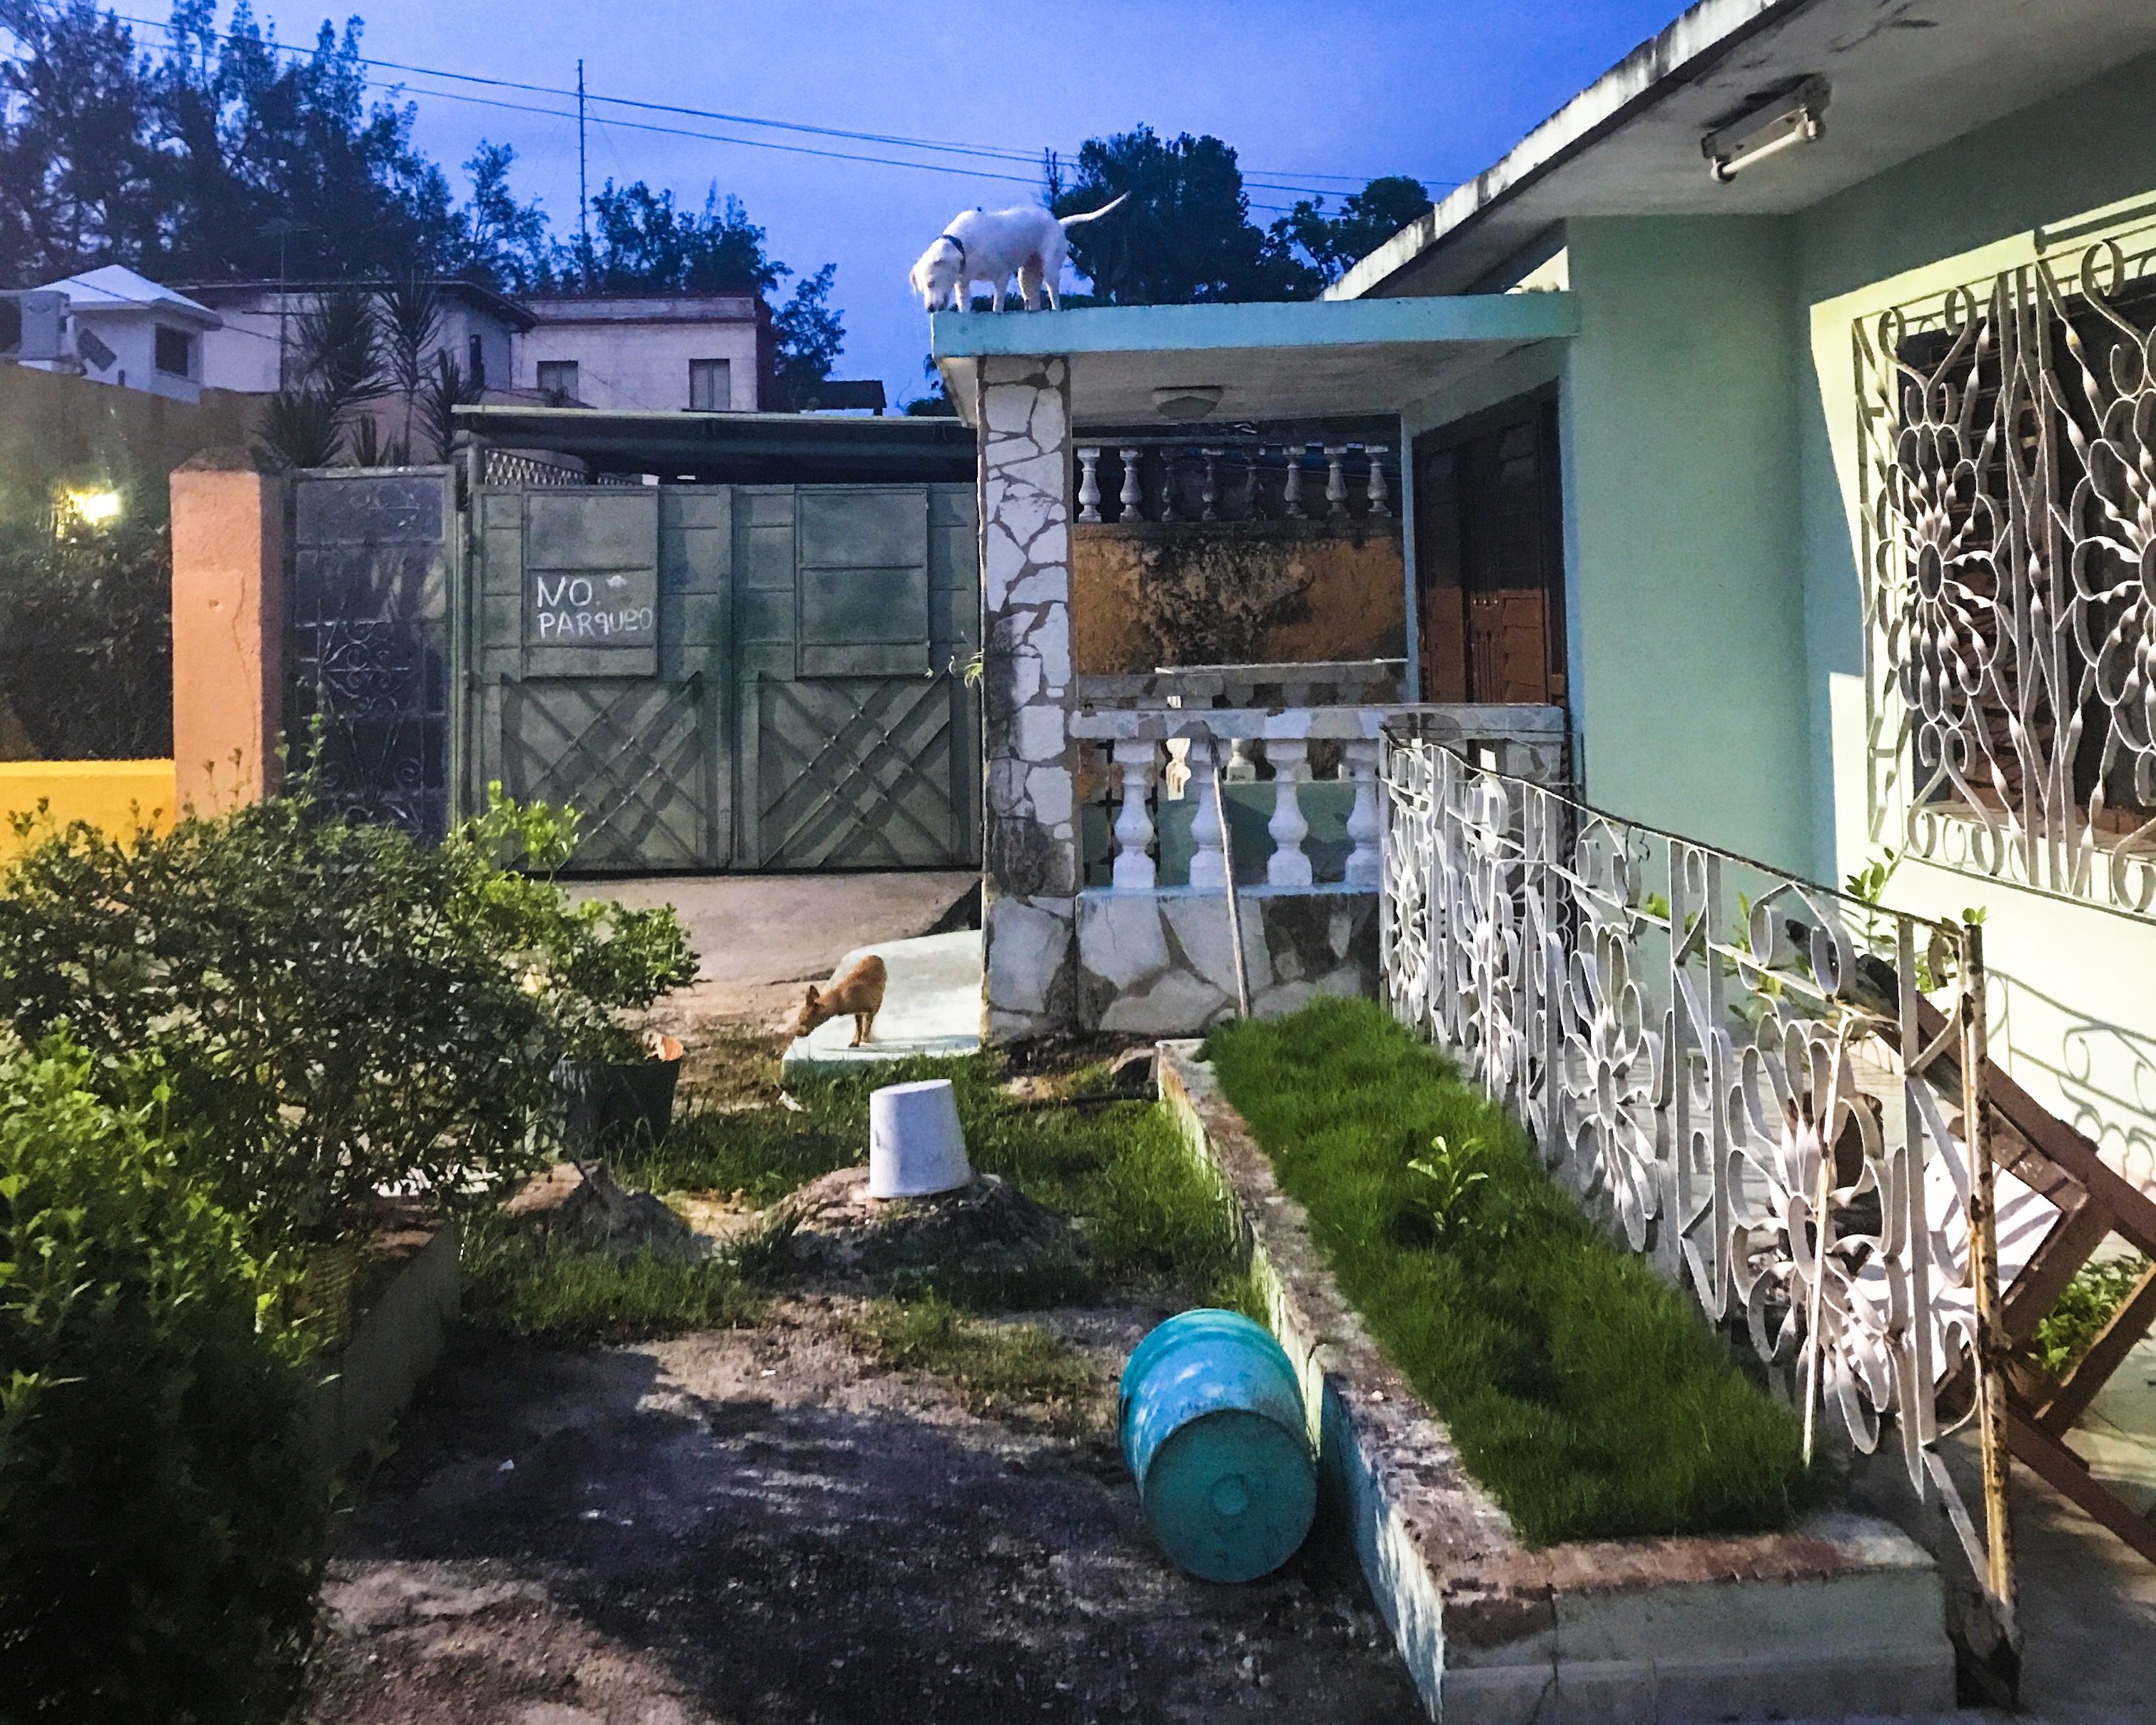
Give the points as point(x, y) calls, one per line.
point(761, 939)
point(931, 1006)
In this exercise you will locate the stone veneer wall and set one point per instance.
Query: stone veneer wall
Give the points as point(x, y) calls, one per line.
point(1030, 832)
point(1162, 964)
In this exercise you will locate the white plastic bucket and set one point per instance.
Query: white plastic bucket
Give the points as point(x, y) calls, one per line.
point(915, 1145)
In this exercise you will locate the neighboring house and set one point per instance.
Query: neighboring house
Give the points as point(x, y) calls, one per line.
point(648, 352)
point(478, 327)
point(1780, 411)
point(124, 329)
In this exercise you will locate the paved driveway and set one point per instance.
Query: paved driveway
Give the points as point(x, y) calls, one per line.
point(762, 938)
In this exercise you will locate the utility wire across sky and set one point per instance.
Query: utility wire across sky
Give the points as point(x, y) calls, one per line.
point(1257, 179)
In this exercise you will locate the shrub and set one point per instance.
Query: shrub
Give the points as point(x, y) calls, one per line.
point(1587, 1394)
point(161, 1519)
point(332, 1008)
point(86, 637)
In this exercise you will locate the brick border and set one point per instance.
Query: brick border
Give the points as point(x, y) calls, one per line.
point(1844, 1615)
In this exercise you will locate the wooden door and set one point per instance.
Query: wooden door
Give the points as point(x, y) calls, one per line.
point(1490, 558)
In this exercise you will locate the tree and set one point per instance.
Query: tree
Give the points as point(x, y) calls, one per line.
point(1332, 244)
point(644, 243)
point(810, 337)
point(503, 242)
point(1185, 237)
point(177, 165)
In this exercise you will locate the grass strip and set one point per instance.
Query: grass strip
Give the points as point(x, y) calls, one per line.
point(1589, 1396)
point(526, 1277)
point(999, 1369)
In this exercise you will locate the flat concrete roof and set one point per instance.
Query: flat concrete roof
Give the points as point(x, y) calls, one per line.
point(737, 449)
point(1906, 75)
point(1294, 359)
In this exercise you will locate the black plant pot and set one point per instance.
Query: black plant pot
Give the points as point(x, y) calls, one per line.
point(608, 1104)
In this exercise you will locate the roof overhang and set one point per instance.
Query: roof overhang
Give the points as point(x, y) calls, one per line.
point(1297, 359)
point(1906, 76)
point(737, 449)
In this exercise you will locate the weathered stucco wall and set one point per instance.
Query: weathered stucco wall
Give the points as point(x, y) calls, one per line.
point(55, 428)
point(1355, 604)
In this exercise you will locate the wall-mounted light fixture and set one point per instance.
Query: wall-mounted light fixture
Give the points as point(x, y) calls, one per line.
point(1796, 117)
point(88, 508)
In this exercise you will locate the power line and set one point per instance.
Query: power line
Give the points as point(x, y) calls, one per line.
point(1257, 179)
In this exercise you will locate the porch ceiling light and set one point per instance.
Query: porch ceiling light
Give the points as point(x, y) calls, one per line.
point(1186, 402)
point(1796, 117)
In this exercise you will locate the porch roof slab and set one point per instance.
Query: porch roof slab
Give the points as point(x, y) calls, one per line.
point(1296, 359)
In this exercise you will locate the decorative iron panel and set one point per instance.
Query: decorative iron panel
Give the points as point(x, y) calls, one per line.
point(1728, 1064)
point(2008, 455)
point(369, 631)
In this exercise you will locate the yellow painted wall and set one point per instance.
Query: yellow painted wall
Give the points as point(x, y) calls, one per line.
point(120, 796)
point(1358, 595)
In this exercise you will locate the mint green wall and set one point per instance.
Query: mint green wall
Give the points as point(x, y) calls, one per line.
point(1686, 621)
point(2092, 146)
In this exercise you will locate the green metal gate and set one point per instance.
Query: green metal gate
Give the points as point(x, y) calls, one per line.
point(731, 677)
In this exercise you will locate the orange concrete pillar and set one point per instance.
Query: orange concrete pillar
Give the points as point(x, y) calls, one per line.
point(228, 630)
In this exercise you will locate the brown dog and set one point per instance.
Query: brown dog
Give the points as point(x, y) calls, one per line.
point(860, 991)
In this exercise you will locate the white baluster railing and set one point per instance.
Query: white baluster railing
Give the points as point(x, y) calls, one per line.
point(1134, 868)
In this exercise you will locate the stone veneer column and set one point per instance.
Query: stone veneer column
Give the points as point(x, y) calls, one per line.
point(1032, 866)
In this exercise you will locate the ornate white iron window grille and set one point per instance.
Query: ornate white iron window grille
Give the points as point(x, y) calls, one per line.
point(2008, 542)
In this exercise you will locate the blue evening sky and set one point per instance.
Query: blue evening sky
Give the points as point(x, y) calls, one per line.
point(1319, 97)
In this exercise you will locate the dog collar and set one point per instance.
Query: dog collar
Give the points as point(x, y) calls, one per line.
point(957, 242)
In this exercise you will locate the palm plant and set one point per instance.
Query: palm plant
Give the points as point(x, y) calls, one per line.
point(336, 368)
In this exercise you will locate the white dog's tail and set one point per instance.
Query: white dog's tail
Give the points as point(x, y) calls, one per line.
point(1095, 215)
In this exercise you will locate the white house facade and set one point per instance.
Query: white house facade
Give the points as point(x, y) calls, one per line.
point(650, 353)
point(123, 329)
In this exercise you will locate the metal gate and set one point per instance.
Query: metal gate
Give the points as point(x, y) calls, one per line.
point(368, 619)
point(752, 677)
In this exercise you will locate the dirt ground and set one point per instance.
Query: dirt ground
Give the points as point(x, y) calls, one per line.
point(764, 1525)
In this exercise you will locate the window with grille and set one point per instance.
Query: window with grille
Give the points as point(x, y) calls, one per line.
point(711, 386)
point(557, 379)
point(175, 352)
point(2011, 529)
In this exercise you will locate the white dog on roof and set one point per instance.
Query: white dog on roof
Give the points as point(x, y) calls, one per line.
point(994, 245)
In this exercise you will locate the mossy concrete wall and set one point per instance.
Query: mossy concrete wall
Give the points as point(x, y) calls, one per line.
point(1356, 600)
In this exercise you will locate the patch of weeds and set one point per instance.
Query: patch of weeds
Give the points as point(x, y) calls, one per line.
point(2085, 1306)
point(1151, 1218)
point(999, 1369)
point(526, 1277)
point(1588, 1395)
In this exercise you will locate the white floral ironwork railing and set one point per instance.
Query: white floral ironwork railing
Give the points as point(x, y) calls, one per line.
point(2009, 529)
point(1733, 1062)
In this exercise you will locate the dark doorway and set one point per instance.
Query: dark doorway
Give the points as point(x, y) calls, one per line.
point(1490, 556)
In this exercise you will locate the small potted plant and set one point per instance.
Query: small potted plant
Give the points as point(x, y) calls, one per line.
point(617, 1088)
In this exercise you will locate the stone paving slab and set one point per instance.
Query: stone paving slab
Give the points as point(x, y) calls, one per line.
point(931, 1006)
point(1842, 1616)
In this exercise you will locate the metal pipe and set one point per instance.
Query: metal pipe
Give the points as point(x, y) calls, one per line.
point(1983, 1283)
point(1234, 904)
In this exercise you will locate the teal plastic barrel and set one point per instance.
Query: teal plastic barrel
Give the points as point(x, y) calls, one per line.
point(1214, 1431)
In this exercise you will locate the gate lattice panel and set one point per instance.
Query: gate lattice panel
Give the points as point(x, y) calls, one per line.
point(858, 771)
point(629, 755)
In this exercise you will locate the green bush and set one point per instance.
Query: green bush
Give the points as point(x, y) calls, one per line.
point(332, 1008)
point(161, 1521)
point(1587, 1394)
point(86, 636)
